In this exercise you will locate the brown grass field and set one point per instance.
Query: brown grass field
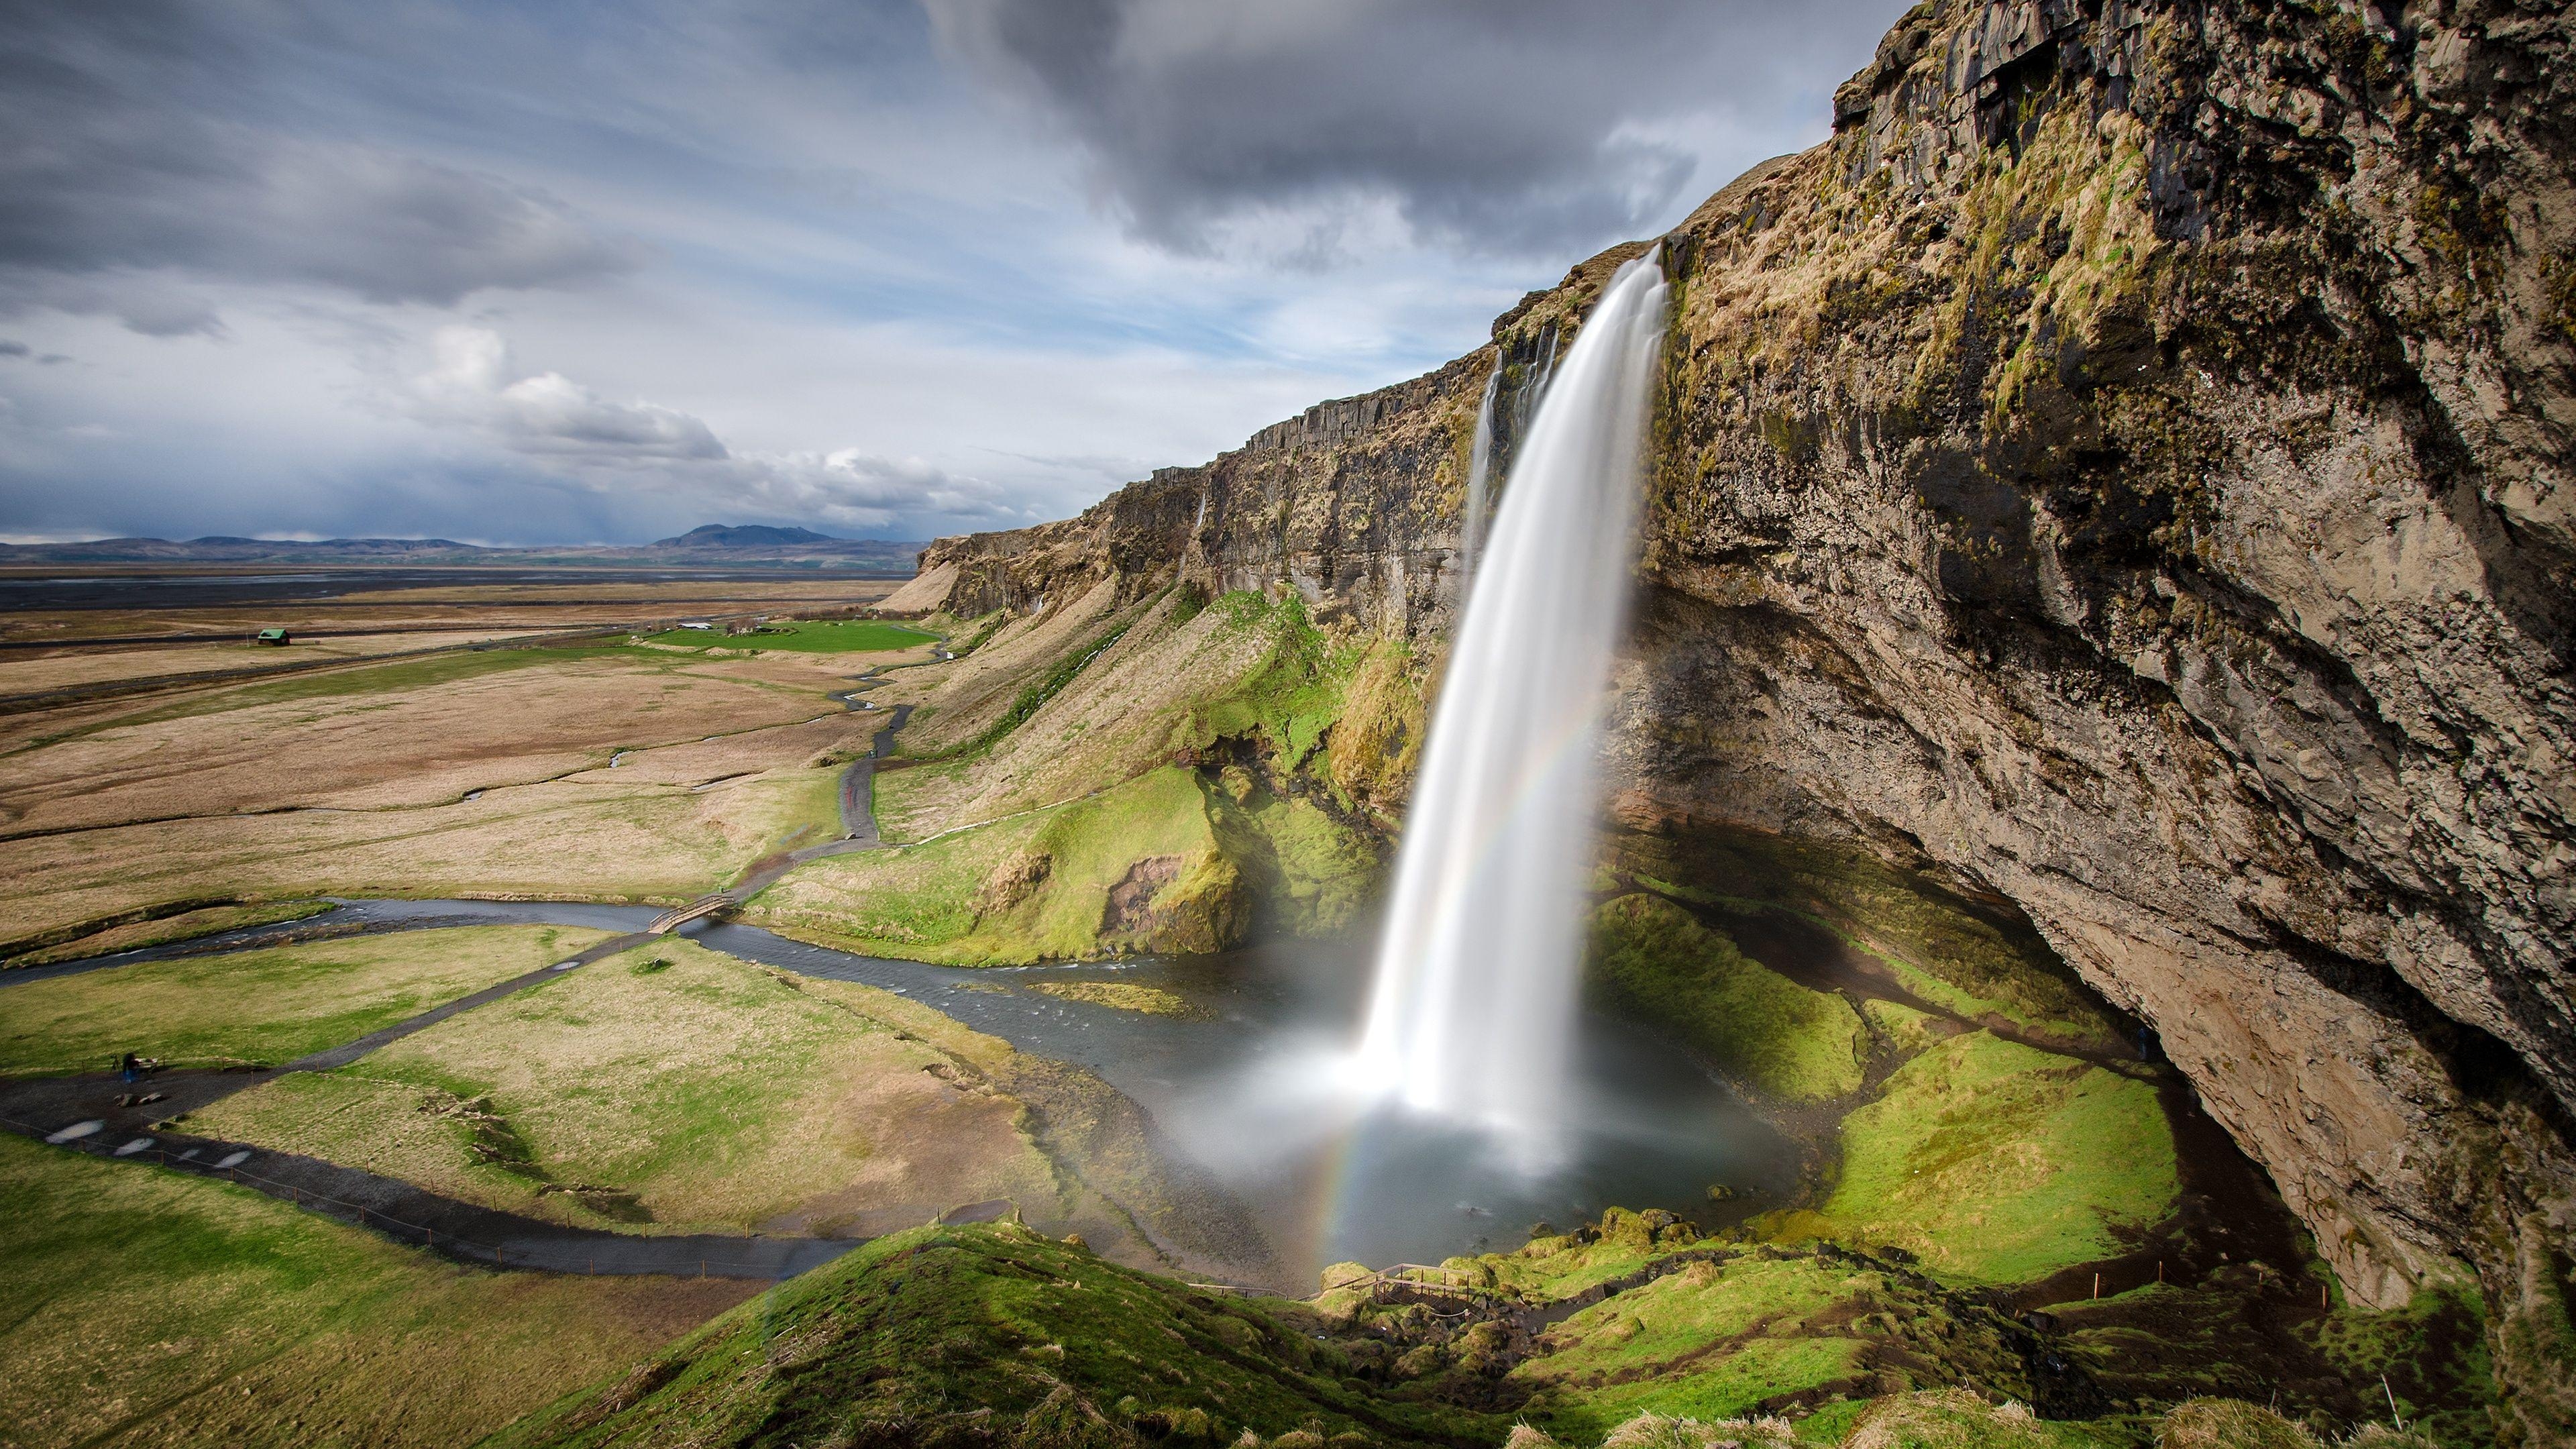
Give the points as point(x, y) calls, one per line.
point(600, 771)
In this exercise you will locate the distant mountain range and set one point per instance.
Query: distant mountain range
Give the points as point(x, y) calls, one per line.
point(713, 544)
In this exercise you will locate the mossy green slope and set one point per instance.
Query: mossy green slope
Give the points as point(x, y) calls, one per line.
point(1195, 771)
point(990, 1334)
point(1765, 1030)
point(1999, 1163)
point(1932, 943)
point(1169, 860)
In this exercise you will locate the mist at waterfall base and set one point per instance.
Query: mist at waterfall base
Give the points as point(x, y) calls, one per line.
point(1471, 1017)
point(1481, 1098)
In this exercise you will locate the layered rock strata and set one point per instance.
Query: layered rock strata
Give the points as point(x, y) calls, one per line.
point(2125, 472)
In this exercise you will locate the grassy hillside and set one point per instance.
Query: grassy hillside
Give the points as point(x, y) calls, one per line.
point(993, 1334)
point(152, 1308)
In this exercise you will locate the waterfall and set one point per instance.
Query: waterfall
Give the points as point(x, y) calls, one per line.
point(1471, 1014)
point(1480, 464)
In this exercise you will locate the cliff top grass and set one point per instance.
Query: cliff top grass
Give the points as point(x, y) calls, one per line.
point(668, 1088)
point(944, 1332)
point(804, 636)
point(267, 1006)
point(147, 1307)
point(1998, 1163)
point(1762, 1029)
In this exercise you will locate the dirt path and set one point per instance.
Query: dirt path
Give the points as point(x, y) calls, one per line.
point(460, 1230)
point(103, 1115)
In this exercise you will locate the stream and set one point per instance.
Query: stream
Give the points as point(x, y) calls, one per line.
point(1250, 1085)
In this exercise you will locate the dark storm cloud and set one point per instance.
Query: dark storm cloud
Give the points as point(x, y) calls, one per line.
point(1502, 125)
point(138, 145)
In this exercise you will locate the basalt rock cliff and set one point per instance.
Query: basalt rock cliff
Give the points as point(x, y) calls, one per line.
point(2125, 473)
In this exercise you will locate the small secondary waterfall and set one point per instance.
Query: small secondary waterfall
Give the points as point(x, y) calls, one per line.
point(1480, 466)
point(1472, 1013)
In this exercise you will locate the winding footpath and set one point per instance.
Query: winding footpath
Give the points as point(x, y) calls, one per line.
point(858, 814)
point(104, 1116)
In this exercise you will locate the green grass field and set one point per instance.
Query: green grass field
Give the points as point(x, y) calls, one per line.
point(803, 636)
point(667, 1088)
point(264, 1006)
point(150, 1308)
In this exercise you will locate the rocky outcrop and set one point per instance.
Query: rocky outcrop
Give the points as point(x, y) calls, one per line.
point(2126, 472)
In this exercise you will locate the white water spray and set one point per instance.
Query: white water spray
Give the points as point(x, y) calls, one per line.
point(1472, 1013)
point(1480, 467)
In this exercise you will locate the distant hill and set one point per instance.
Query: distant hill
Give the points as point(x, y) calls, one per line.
point(733, 545)
point(746, 535)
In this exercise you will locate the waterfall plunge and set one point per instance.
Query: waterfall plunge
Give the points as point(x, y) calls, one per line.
point(1471, 1016)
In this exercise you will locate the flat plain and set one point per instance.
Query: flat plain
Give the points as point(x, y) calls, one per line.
point(598, 768)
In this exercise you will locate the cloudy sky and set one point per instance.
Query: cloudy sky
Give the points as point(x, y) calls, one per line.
point(580, 271)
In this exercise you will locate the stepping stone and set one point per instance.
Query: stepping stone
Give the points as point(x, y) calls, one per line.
point(73, 1133)
point(232, 1159)
point(133, 1147)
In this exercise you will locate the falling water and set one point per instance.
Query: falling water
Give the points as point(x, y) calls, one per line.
point(1480, 465)
point(1472, 1013)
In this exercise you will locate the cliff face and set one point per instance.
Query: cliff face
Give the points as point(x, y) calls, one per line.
point(2125, 472)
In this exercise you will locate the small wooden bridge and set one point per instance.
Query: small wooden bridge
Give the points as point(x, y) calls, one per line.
point(678, 916)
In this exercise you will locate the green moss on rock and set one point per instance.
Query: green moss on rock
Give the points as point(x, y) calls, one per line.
point(1999, 1163)
point(1768, 1032)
